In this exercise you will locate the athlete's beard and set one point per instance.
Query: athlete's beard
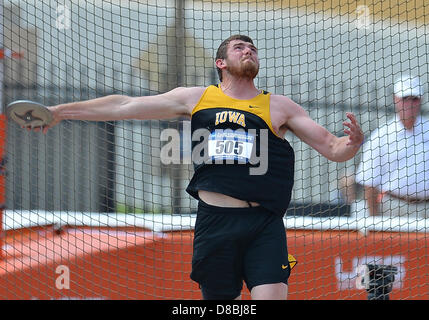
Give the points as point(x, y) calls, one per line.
point(245, 69)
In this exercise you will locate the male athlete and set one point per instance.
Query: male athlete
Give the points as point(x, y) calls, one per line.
point(239, 231)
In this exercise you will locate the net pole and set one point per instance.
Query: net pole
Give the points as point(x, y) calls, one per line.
point(176, 171)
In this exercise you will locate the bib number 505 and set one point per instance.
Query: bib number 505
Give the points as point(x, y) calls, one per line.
point(228, 147)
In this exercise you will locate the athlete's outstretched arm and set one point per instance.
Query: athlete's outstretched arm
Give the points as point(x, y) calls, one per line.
point(173, 104)
point(332, 147)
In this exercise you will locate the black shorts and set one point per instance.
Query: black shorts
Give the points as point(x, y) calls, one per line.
point(236, 244)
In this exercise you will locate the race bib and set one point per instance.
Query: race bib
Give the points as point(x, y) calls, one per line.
point(230, 145)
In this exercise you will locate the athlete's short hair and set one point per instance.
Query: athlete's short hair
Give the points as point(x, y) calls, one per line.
point(222, 50)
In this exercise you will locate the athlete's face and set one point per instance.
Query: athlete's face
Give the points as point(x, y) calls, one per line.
point(242, 59)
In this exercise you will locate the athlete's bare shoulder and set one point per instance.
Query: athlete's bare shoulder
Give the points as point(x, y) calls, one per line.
point(282, 109)
point(284, 103)
point(188, 96)
point(193, 91)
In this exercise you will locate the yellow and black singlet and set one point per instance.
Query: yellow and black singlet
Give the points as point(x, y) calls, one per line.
point(236, 152)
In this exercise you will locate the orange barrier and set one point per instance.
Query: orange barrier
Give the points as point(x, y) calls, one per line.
point(93, 263)
point(327, 262)
point(89, 263)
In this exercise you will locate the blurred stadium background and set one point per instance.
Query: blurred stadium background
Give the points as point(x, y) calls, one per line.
point(90, 211)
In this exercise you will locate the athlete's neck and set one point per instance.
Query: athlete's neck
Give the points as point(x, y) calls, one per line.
point(239, 88)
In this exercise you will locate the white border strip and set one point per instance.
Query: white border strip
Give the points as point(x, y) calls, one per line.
point(13, 220)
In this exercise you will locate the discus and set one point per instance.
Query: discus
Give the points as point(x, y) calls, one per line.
point(28, 113)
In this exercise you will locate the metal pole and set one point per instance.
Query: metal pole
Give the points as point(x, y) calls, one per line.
point(177, 170)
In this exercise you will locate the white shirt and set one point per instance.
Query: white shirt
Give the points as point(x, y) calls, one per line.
point(396, 160)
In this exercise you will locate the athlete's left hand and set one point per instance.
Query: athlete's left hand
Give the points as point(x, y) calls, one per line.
point(353, 130)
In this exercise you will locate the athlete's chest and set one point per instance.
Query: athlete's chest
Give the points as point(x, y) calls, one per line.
point(217, 110)
point(230, 117)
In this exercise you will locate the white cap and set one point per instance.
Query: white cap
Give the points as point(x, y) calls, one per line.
point(407, 86)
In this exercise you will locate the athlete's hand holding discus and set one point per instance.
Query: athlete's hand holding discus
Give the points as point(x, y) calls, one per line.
point(31, 115)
